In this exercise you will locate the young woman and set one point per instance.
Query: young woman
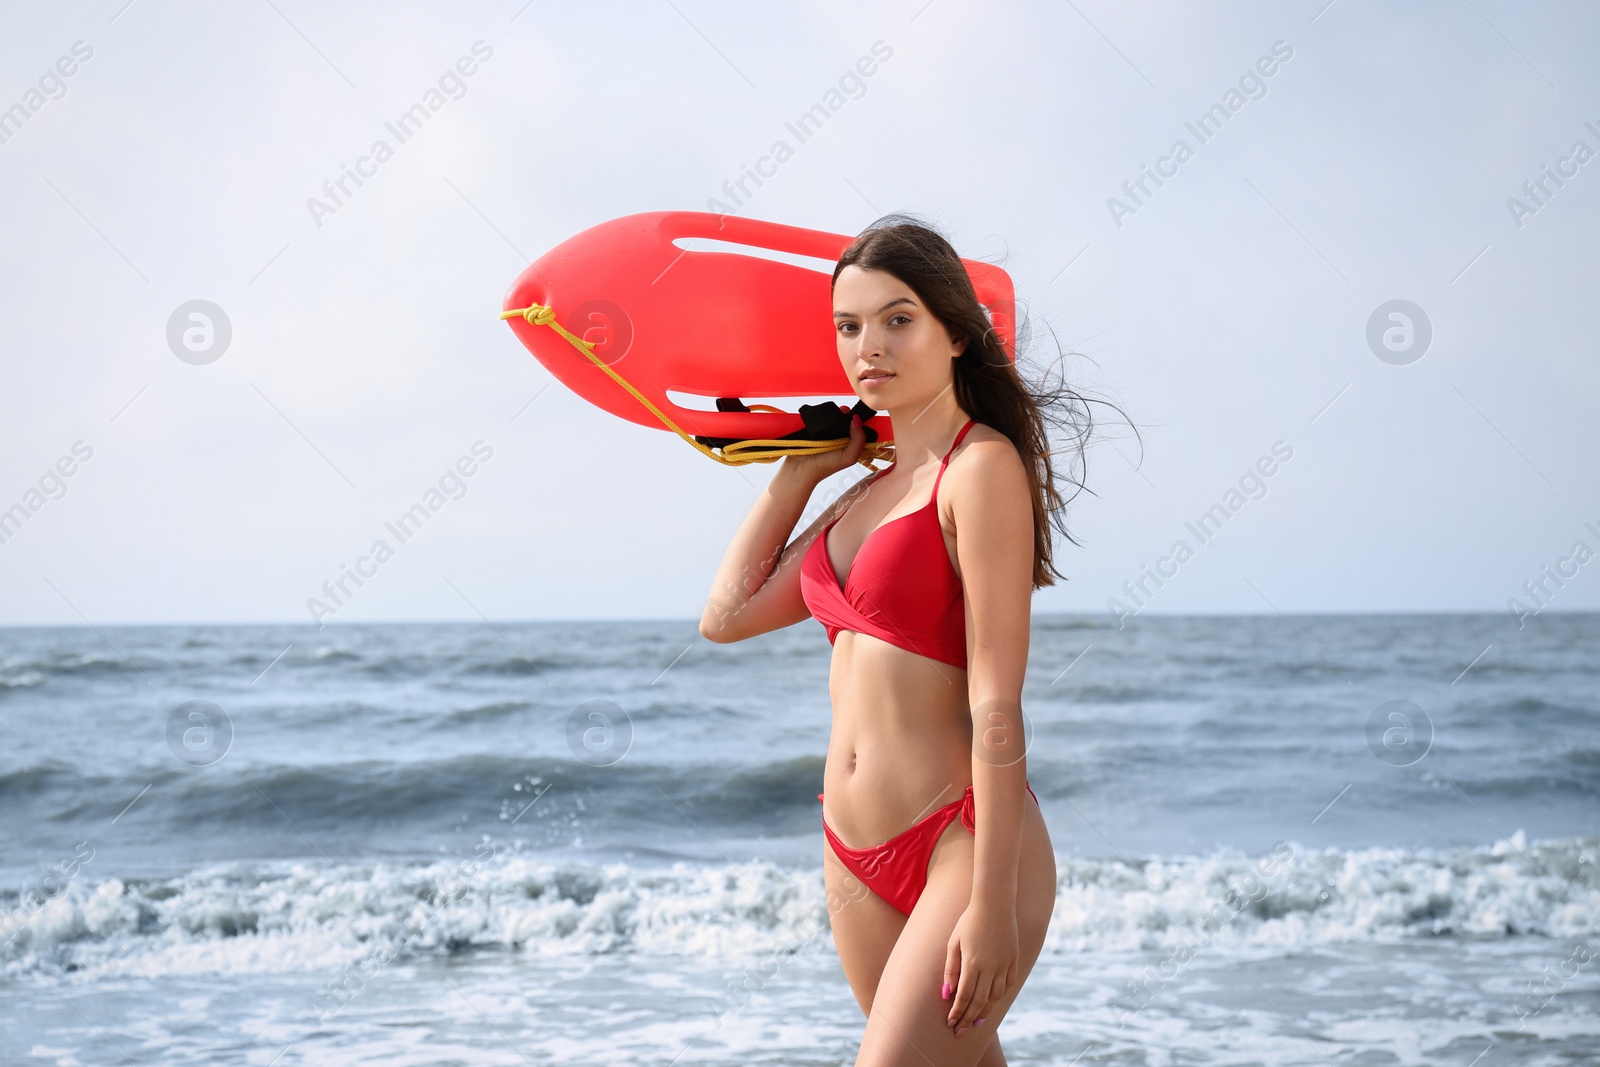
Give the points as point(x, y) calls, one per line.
point(940, 873)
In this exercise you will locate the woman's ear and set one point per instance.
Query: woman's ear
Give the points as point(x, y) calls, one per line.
point(958, 344)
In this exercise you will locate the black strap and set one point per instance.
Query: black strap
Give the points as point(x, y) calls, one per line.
point(822, 422)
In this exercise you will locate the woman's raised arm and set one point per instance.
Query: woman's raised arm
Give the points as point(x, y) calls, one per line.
point(757, 585)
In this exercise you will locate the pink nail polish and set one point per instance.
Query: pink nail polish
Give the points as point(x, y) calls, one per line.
point(980, 1021)
point(944, 991)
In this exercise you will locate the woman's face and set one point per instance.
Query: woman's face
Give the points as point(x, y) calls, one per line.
point(893, 349)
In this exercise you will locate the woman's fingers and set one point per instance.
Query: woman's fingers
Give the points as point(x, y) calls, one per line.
point(963, 998)
point(858, 442)
point(970, 991)
point(952, 970)
point(825, 464)
point(977, 1003)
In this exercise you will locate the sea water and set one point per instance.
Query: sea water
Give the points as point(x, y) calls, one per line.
point(599, 843)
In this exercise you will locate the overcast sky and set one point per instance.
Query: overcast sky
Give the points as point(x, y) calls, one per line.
point(1226, 310)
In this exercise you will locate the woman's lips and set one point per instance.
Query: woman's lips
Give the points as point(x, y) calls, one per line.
point(879, 377)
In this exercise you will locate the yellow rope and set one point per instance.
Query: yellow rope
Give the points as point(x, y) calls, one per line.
point(737, 454)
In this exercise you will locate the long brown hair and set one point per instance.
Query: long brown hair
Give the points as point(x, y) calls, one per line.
point(988, 385)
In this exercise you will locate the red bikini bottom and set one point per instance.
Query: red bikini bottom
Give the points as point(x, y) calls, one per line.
point(897, 870)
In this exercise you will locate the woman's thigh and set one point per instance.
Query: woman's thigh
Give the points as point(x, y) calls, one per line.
point(865, 927)
point(906, 1024)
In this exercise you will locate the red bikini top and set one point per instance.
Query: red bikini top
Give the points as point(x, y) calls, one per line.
point(900, 588)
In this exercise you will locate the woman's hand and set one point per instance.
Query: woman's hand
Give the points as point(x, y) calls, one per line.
point(980, 962)
point(816, 467)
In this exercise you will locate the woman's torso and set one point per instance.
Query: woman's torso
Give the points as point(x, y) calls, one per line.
point(901, 739)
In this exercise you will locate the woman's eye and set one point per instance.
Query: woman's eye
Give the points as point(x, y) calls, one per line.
point(907, 318)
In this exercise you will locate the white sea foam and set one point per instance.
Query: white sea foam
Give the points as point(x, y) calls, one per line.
point(243, 919)
point(1550, 888)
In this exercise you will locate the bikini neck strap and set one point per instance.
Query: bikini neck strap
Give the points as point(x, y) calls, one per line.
point(945, 462)
point(957, 442)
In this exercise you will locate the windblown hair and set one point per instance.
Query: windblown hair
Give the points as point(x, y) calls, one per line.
point(988, 385)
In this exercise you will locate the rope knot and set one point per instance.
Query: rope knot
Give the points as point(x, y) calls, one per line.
point(539, 314)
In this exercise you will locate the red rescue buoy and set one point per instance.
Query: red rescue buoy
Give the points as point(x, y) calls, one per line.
point(705, 323)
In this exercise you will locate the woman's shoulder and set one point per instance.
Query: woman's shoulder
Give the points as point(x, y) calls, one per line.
point(985, 446)
point(987, 464)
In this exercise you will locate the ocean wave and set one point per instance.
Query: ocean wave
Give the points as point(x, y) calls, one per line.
point(34, 669)
point(356, 796)
point(34, 778)
point(23, 680)
point(1099, 693)
point(255, 918)
point(1297, 897)
point(1524, 712)
point(1051, 623)
point(514, 666)
point(483, 713)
